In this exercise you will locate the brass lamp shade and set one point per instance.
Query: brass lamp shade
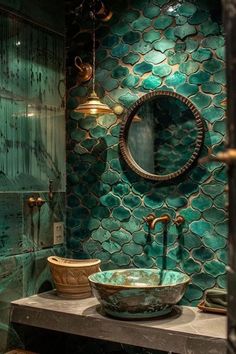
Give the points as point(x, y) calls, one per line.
point(93, 106)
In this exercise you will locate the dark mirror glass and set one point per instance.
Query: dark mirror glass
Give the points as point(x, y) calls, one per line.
point(162, 135)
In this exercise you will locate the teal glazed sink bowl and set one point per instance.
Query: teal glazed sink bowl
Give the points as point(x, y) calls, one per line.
point(138, 293)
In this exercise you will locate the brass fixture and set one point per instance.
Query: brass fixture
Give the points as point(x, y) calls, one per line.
point(93, 105)
point(31, 202)
point(228, 156)
point(35, 201)
point(151, 220)
point(85, 70)
point(40, 202)
point(102, 13)
point(179, 220)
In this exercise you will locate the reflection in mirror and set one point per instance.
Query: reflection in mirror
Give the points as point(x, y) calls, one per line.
point(161, 136)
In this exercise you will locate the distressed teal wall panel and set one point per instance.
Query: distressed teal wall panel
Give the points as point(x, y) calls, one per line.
point(32, 151)
point(106, 200)
point(31, 72)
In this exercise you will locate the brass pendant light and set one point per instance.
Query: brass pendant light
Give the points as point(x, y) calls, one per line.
point(93, 105)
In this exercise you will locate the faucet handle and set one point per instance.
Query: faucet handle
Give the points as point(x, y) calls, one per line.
point(179, 220)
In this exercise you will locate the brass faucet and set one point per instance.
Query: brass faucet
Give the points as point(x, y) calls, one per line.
point(151, 220)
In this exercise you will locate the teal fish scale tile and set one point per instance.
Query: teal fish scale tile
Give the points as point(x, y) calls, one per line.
point(151, 48)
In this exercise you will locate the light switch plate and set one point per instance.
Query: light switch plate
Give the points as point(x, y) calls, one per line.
point(58, 233)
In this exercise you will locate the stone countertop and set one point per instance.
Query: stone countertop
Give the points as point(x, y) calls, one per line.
point(185, 331)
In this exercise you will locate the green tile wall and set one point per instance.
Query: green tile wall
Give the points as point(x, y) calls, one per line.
point(149, 45)
point(32, 145)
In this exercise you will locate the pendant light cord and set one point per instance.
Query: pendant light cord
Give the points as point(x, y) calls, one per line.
point(94, 39)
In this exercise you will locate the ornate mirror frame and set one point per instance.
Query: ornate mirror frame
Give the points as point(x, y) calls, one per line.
point(123, 139)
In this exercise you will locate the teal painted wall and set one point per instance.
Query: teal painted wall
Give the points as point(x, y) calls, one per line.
point(150, 45)
point(32, 146)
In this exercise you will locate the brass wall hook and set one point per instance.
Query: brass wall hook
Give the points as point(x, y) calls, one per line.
point(85, 70)
point(179, 220)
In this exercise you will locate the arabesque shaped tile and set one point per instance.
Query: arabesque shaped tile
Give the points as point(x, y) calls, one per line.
point(191, 240)
point(220, 77)
point(211, 87)
point(214, 242)
point(198, 17)
point(120, 72)
point(121, 237)
point(132, 249)
point(141, 24)
point(120, 259)
point(199, 78)
point(180, 20)
point(212, 114)
point(101, 235)
point(220, 100)
point(213, 189)
point(111, 224)
point(222, 255)
point(213, 42)
point(214, 215)
point(202, 202)
point(109, 200)
point(154, 57)
point(203, 280)
point(128, 99)
point(131, 201)
point(202, 54)
point(193, 292)
point(220, 53)
point(201, 227)
point(190, 266)
point(130, 81)
point(187, 9)
point(142, 68)
point(164, 44)
point(191, 45)
point(175, 79)
point(162, 70)
point(143, 261)
point(185, 31)
point(222, 228)
point(151, 11)
point(111, 246)
point(131, 37)
point(142, 47)
point(215, 268)
point(170, 33)
point(152, 249)
point(151, 36)
point(209, 28)
point(140, 238)
point(162, 22)
point(131, 58)
point(120, 28)
point(201, 100)
point(132, 225)
point(187, 89)
point(189, 67)
point(151, 82)
point(212, 66)
point(177, 58)
point(120, 50)
point(121, 213)
point(180, 46)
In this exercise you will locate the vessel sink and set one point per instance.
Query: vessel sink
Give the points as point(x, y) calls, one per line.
point(138, 293)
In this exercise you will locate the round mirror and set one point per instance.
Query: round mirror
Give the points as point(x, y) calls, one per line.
point(161, 136)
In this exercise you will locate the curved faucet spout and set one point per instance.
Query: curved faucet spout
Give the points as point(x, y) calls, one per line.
point(151, 220)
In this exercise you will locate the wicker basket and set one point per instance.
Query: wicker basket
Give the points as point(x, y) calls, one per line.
point(70, 276)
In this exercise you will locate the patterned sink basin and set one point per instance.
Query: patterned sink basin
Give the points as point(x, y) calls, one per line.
point(138, 293)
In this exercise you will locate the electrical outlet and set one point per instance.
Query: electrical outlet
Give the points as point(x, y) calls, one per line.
point(58, 233)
